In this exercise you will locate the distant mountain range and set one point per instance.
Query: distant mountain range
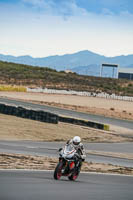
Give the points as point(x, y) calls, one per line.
point(83, 62)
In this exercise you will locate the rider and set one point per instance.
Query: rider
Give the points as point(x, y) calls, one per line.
point(80, 151)
point(76, 143)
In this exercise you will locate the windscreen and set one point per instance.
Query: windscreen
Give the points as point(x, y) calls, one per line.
point(69, 148)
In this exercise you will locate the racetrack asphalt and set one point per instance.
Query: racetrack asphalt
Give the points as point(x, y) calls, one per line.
point(40, 185)
point(50, 149)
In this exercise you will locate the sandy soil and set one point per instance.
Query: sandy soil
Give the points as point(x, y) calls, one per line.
point(128, 156)
point(102, 106)
point(15, 128)
point(20, 161)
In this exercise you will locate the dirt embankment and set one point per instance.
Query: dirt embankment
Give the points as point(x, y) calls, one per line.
point(15, 128)
point(20, 161)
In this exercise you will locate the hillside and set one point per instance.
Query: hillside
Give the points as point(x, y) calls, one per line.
point(83, 62)
point(18, 74)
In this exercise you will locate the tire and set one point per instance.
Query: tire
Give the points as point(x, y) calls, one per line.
point(74, 176)
point(57, 172)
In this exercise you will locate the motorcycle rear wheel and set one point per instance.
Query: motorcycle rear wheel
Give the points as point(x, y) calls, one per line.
point(57, 172)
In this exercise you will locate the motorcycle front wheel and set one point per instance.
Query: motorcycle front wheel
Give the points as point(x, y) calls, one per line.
point(57, 172)
point(74, 176)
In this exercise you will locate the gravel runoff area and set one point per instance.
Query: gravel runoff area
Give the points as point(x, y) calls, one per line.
point(20, 161)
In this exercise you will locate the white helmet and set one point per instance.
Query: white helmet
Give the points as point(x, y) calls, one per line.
point(76, 140)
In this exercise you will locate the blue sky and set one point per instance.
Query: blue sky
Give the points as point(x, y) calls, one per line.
point(55, 27)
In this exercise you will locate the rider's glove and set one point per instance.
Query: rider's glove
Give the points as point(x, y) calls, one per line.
point(60, 149)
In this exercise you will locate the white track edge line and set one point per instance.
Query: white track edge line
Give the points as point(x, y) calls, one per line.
point(98, 173)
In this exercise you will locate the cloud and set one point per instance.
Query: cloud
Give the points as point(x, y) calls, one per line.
point(99, 6)
point(68, 8)
point(39, 4)
point(63, 8)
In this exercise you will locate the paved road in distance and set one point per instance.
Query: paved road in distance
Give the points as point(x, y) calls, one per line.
point(59, 111)
point(126, 147)
point(33, 185)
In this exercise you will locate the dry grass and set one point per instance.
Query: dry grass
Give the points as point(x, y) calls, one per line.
point(15, 128)
point(12, 88)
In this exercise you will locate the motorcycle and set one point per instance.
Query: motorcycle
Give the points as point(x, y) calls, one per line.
point(67, 165)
